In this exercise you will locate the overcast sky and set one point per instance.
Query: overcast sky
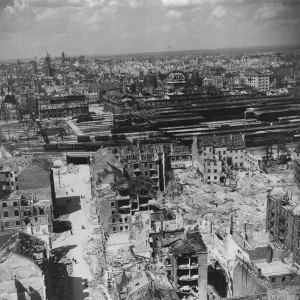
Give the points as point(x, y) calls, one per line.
point(29, 28)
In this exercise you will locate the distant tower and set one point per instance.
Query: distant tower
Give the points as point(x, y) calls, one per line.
point(47, 65)
point(33, 66)
point(18, 69)
point(63, 57)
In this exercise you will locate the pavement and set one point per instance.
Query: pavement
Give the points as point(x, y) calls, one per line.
point(79, 238)
point(75, 128)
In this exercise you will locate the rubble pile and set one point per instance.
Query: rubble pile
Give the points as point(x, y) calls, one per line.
point(124, 259)
point(17, 163)
point(246, 200)
point(71, 168)
point(94, 254)
point(98, 293)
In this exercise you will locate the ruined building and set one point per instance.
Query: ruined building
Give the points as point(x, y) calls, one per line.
point(248, 263)
point(283, 221)
point(144, 285)
point(185, 260)
point(117, 195)
point(297, 171)
point(146, 160)
point(8, 182)
point(48, 70)
point(24, 264)
point(27, 213)
point(212, 153)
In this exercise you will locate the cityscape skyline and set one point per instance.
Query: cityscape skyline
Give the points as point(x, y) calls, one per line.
point(29, 28)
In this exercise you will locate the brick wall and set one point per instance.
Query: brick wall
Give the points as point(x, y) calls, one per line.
point(244, 283)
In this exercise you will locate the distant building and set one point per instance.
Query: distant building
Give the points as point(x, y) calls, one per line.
point(33, 67)
point(216, 81)
point(258, 80)
point(150, 83)
point(47, 65)
point(231, 79)
point(62, 106)
point(175, 81)
point(8, 112)
point(81, 59)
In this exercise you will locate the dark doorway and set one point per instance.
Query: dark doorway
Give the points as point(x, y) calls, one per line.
point(217, 279)
point(78, 160)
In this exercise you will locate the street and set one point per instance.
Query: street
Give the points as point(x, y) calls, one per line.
point(76, 242)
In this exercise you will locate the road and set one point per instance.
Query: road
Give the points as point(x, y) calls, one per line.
point(78, 240)
point(75, 129)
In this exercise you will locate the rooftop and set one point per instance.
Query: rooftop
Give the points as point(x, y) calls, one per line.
point(71, 180)
point(230, 141)
point(297, 149)
point(275, 268)
point(26, 245)
point(189, 244)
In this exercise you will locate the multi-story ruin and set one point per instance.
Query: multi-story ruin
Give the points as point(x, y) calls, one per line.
point(28, 213)
point(61, 106)
point(185, 261)
point(212, 153)
point(283, 220)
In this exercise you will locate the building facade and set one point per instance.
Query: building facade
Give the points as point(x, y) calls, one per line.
point(61, 107)
point(8, 182)
point(186, 263)
point(8, 112)
point(258, 80)
point(17, 212)
point(210, 154)
point(283, 221)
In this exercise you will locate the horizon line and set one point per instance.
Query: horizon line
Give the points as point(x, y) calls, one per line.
point(235, 48)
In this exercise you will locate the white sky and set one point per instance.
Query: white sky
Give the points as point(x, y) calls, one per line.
point(29, 28)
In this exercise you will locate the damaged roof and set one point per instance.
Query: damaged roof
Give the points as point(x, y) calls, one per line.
point(233, 141)
point(189, 244)
point(145, 285)
point(297, 149)
point(26, 245)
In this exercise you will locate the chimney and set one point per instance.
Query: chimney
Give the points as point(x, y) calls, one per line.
point(269, 254)
point(258, 272)
point(249, 232)
point(231, 224)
